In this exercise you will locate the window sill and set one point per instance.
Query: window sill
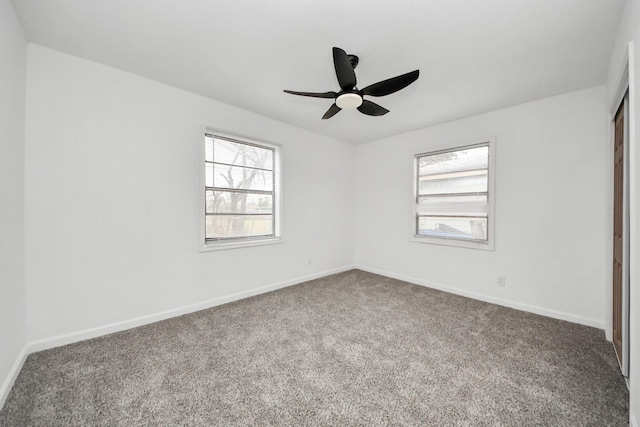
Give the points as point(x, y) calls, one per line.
point(241, 244)
point(453, 242)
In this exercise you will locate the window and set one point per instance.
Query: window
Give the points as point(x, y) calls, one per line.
point(241, 193)
point(454, 196)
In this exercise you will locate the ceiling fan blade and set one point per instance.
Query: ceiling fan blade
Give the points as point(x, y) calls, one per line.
point(331, 112)
point(391, 85)
point(344, 70)
point(313, 94)
point(372, 109)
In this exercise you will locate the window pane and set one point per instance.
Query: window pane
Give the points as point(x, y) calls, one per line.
point(234, 202)
point(208, 149)
point(455, 182)
point(236, 177)
point(208, 174)
point(467, 228)
point(233, 153)
point(453, 205)
point(235, 226)
point(460, 160)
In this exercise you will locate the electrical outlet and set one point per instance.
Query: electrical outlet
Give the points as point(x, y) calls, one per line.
point(502, 281)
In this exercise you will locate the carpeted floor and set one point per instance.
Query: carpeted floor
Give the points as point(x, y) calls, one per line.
point(349, 349)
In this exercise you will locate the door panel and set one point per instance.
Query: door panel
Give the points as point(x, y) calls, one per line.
point(618, 230)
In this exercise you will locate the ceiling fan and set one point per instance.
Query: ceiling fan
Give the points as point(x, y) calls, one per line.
point(350, 96)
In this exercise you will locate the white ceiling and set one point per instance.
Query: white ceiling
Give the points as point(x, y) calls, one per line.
point(474, 56)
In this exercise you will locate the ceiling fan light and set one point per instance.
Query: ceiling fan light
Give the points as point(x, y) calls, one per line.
point(349, 101)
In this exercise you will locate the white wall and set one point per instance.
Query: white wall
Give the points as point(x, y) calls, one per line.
point(112, 201)
point(551, 184)
point(629, 31)
point(13, 57)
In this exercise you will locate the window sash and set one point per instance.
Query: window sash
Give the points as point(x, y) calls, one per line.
point(233, 223)
point(466, 206)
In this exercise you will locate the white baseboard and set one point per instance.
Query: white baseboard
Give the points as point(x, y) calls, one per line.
point(13, 374)
point(494, 300)
point(633, 422)
point(70, 338)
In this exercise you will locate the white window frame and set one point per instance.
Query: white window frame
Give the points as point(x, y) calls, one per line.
point(490, 243)
point(205, 245)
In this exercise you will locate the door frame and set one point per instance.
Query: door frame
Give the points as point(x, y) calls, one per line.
point(621, 97)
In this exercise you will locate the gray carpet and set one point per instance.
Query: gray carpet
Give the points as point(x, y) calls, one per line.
point(349, 349)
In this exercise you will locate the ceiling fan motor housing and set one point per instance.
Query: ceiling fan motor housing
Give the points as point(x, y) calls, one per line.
point(349, 100)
